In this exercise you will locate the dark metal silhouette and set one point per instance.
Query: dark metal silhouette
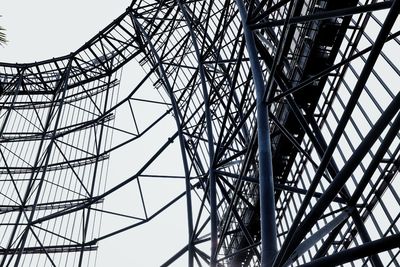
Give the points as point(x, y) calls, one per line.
point(286, 116)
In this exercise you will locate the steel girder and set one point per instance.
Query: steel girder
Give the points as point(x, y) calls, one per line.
point(286, 116)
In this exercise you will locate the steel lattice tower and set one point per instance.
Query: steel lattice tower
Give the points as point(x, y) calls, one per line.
point(286, 122)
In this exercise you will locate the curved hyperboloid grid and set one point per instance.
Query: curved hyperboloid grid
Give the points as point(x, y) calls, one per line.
point(330, 89)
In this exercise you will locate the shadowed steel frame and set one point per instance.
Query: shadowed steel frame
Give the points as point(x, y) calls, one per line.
point(286, 116)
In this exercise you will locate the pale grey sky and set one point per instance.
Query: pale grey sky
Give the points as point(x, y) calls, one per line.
point(43, 29)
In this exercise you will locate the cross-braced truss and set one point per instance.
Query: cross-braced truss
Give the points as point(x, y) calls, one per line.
point(286, 125)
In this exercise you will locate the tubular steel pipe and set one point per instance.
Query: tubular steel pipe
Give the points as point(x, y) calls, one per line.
point(266, 181)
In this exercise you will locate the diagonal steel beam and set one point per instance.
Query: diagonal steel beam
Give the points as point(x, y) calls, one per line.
point(326, 15)
point(383, 34)
point(352, 254)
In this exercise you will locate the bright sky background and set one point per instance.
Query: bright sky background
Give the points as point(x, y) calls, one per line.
point(42, 29)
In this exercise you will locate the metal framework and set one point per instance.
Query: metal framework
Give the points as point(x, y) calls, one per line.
point(286, 121)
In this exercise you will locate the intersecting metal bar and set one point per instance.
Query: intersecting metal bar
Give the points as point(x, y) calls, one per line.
point(376, 160)
point(150, 218)
point(293, 6)
point(175, 257)
point(51, 249)
point(211, 46)
point(317, 195)
point(95, 174)
point(288, 245)
point(341, 178)
point(249, 157)
point(180, 136)
point(308, 81)
point(266, 13)
point(26, 195)
point(318, 235)
point(352, 254)
point(62, 90)
point(327, 14)
point(211, 173)
point(239, 220)
point(365, 237)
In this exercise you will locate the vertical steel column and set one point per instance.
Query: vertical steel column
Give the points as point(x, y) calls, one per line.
point(266, 183)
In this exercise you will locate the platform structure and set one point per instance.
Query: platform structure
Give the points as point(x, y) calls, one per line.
point(285, 116)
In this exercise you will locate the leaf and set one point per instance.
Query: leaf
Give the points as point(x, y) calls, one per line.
point(3, 39)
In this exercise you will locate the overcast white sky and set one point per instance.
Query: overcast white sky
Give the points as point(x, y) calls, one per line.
point(43, 29)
